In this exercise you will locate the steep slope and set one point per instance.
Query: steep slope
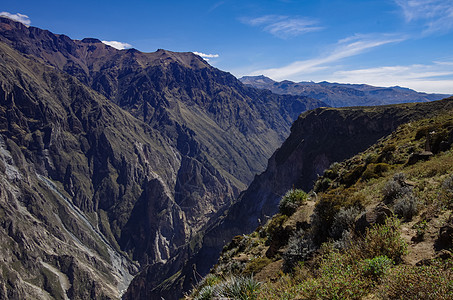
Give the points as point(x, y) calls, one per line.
point(145, 182)
point(318, 138)
point(340, 95)
point(61, 145)
point(218, 126)
point(377, 226)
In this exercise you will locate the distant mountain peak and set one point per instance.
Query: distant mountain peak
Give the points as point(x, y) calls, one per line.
point(260, 79)
point(187, 59)
point(91, 40)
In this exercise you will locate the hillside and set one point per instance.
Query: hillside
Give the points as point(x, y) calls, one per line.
point(117, 160)
point(375, 226)
point(340, 95)
point(318, 138)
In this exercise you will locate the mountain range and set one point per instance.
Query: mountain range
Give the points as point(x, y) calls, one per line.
point(342, 95)
point(119, 154)
point(123, 173)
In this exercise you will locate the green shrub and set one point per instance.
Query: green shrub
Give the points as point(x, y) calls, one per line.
point(275, 226)
point(322, 184)
point(300, 246)
point(332, 171)
point(387, 153)
point(353, 176)
point(291, 201)
point(412, 282)
point(206, 293)
point(256, 265)
point(377, 266)
point(420, 227)
point(211, 280)
point(396, 188)
point(327, 208)
point(241, 288)
point(337, 278)
point(375, 171)
point(406, 207)
point(205, 288)
point(384, 240)
point(343, 221)
point(424, 131)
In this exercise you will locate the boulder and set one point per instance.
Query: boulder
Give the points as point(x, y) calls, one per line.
point(376, 216)
point(445, 238)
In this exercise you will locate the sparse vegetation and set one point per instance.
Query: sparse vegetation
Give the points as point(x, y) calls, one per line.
point(424, 282)
point(241, 288)
point(300, 246)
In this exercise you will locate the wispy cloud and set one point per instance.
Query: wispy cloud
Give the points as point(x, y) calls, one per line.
point(283, 26)
point(431, 78)
point(24, 19)
point(206, 56)
point(118, 45)
point(216, 5)
point(437, 15)
point(344, 48)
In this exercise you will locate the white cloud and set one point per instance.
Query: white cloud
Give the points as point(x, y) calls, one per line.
point(344, 48)
point(283, 26)
point(216, 5)
point(206, 56)
point(117, 45)
point(433, 78)
point(437, 15)
point(24, 19)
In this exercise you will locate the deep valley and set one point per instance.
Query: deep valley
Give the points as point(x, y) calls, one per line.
point(126, 174)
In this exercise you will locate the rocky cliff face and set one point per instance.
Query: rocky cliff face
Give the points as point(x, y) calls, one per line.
point(318, 138)
point(340, 95)
point(119, 156)
point(59, 145)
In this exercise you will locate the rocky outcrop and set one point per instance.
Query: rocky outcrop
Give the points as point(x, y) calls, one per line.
point(377, 215)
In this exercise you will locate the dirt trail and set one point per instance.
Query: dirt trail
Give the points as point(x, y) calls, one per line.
point(423, 249)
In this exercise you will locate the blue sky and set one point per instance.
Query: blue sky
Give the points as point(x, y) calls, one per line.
point(380, 42)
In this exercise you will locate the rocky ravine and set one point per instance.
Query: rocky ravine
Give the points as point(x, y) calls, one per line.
point(148, 148)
